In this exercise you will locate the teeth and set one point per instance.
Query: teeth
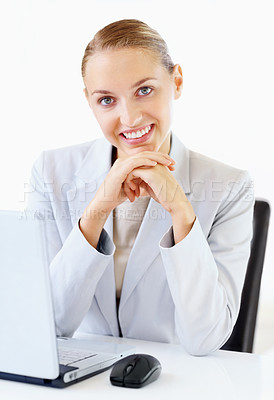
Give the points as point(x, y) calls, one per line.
point(138, 134)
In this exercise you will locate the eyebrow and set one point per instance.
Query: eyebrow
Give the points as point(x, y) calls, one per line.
point(142, 81)
point(132, 87)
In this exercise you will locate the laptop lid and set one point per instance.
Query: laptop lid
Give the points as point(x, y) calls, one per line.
point(28, 345)
point(26, 309)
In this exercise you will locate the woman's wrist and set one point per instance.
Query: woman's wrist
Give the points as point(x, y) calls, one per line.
point(183, 218)
point(92, 222)
point(95, 213)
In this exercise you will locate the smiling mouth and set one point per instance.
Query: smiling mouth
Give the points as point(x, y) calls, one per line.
point(136, 134)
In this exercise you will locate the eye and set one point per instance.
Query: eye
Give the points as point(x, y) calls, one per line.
point(106, 101)
point(144, 91)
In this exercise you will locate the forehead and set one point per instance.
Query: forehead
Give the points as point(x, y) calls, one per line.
point(122, 67)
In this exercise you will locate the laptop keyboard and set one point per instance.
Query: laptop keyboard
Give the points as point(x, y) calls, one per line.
point(70, 356)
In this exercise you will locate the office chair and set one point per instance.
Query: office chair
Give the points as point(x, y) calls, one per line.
point(242, 336)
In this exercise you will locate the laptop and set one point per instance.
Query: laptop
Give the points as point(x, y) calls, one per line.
point(29, 349)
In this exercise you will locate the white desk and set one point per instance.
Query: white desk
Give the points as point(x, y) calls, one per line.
point(224, 375)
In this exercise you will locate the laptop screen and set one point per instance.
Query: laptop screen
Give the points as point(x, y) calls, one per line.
point(27, 334)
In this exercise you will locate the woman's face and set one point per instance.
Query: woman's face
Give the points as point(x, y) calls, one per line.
point(131, 96)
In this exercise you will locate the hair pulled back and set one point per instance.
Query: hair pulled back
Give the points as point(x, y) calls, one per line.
point(128, 33)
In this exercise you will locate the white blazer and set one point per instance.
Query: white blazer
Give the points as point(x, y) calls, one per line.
point(189, 292)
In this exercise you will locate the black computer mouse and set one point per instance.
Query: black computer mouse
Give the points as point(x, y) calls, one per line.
point(135, 371)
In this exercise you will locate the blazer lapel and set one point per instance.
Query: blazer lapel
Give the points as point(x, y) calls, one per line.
point(155, 224)
point(89, 176)
point(146, 247)
point(106, 290)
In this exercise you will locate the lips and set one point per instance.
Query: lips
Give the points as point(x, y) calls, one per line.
point(136, 136)
point(137, 133)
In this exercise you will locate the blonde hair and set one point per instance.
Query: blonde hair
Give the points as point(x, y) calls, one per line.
point(128, 33)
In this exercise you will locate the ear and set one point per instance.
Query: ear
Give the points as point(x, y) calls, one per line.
point(86, 93)
point(178, 81)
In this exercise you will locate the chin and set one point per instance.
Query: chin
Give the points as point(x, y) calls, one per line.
point(147, 147)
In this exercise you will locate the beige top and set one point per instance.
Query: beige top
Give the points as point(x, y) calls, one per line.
point(127, 219)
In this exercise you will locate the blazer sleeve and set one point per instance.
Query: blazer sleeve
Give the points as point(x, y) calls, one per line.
point(206, 274)
point(75, 266)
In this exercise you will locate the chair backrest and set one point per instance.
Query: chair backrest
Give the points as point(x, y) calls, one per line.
point(242, 336)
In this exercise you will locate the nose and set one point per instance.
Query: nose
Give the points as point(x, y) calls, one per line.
point(130, 114)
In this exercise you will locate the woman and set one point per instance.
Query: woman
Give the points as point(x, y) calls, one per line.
point(147, 239)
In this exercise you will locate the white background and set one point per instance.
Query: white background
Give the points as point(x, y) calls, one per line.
point(226, 52)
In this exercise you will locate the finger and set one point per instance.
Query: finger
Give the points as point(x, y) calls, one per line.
point(132, 185)
point(170, 167)
point(137, 184)
point(121, 168)
point(152, 154)
point(170, 160)
point(137, 190)
point(160, 158)
point(148, 190)
point(136, 175)
point(129, 193)
point(128, 165)
point(137, 161)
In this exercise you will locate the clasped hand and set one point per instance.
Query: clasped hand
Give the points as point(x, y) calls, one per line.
point(145, 173)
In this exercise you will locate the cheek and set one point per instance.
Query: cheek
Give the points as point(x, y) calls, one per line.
point(165, 112)
point(105, 120)
point(164, 105)
point(169, 101)
point(108, 125)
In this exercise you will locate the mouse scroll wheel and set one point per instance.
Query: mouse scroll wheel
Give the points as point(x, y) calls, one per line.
point(128, 368)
